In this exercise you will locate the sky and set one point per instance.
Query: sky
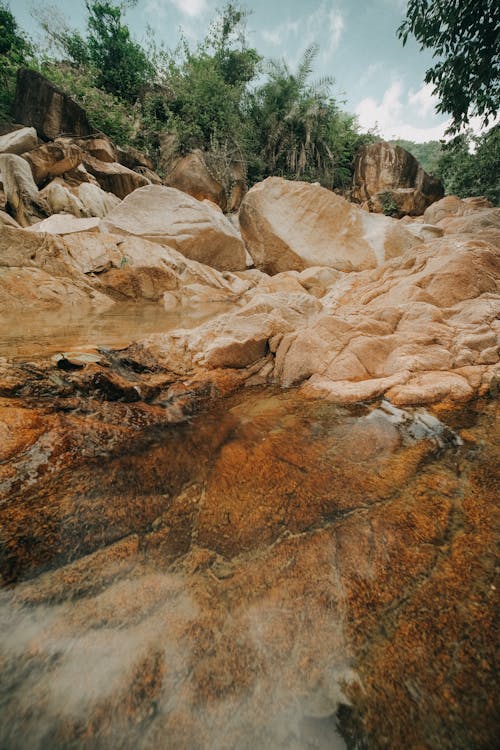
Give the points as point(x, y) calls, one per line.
point(376, 78)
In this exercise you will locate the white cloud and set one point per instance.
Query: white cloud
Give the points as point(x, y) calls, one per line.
point(280, 34)
point(191, 8)
point(402, 115)
point(324, 25)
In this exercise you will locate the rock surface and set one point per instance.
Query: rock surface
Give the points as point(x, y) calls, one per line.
point(293, 225)
point(53, 159)
point(169, 217)
point(18, 141)
point(22, 196)
point(193, 174)
point(114, 177)
point(386, 173)
point(42, 105)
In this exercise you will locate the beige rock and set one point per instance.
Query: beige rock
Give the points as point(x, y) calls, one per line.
point(451, 206)
point(295, 225)
point(132, 158)
point(8, 221)
point(18, 141)
point(53, 159)
point(66, 224)
point(98, 147)
point(485, 221)
point(114, 177)
point(95, 200)
point(168, 216)
point(385, 174)
point(61, 200)
point(191, 175)
point(23, 199)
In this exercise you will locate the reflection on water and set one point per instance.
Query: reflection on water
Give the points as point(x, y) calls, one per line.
point(44, 333)
point(230, 582)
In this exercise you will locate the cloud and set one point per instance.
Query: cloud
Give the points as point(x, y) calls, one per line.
point(191, 8)
point(402, 114)
point(325, 26)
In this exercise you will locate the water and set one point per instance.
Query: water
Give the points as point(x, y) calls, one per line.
point(264, 575)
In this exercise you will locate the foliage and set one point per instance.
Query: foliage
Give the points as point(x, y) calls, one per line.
point(427, 154)
point(464, 37)
point(298, 130)
point(15, 50)
point(467, 173)
point(118, 65)
point(388, 204)
point(106, 113)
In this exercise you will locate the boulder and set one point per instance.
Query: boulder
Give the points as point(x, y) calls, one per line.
point(18, 141)
point(61, 200)
point(483, 223)
point(66, 224)
point(53, 159)
point(132, 158)
point(169, 217)
point(99, 147)
point(294, 225)
point(453, 206)
point(8, 221)
point(95, 200)
point(194, 175)
point(22, 197)
point(114, 177)
point(46, 107)
point(391, 181)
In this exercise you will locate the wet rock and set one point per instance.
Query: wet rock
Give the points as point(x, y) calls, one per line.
point(293, 225)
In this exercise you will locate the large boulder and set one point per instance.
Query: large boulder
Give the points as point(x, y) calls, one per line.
point(452, 206)
point(46, 107)
point(390, 180)
point(22, 196)
point(18, 141)
point(114, 177)
point(53, 159)
point(294, 225)
point(195, 174)
point(81, 200)
point(169, 217)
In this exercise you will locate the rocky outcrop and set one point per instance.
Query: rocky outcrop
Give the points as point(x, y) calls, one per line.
point(452, 207)
point(44, 106)
point(132, 158)
point(52, 160)
point(18, 141)
point(192, 174)
point(169, 217)
point(293, 225)
point(114, 177)
point(23, 199)
point(390, 180)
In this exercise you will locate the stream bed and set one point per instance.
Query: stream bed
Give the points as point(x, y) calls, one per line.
point(273, 572)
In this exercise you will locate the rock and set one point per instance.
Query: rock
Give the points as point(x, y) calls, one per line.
point(66, 224)
point(391, 180)
point(114, 177)
point(99, 147)
point(132, 158)
point(295, 225)
point(8, 221)
point(23, 199)
point(168, 216)
point(53, 159)
point(192, 174)
point(61, 200)
point(153, 178)
point(96, 202)
point(43, 105)
point(484, 223)
point(18, 141)
point(452, 206)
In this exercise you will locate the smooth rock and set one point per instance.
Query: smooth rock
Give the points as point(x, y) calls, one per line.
point(22, 197)
point(168, 216)
point(18, 141)
point(66, 224)
point(114, 177)
point(53, 159)
point(293, 225)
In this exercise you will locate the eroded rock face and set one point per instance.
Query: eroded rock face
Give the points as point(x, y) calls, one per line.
point(114, 177)
point(168, 216)
point(23, 199)
point(293, 225)
point(53, 159)
point(385, 174)
point(44, 106)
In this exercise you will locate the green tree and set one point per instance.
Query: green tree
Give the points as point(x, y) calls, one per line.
point(15, 50)
point(464, 35)
point(470, 165)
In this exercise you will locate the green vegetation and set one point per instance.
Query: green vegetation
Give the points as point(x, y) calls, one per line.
point(464, 37)
point(15, 50)
point(427, 154)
